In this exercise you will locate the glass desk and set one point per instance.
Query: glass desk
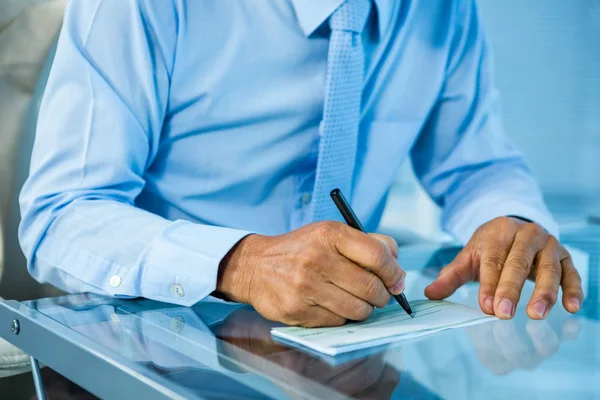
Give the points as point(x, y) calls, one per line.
point(144, 349)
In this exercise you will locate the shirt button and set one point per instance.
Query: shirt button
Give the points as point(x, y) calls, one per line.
point(306, 198)
point(177, 290)
point(115, 317)
point(115, 280)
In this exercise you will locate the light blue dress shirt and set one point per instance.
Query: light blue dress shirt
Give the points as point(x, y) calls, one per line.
point(171, 129)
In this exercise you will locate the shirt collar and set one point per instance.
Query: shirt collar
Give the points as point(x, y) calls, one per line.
point(312, 14)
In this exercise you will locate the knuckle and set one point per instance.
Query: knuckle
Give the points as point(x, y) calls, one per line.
point(504, 223)
point(533, 229)
point(390, 242)
point(510, 289)
point(572, 277)
point(495, 261)
point(326, 228)
point(301, 281)
point(372, 287)
point(499, 220)
point(520, 263)
point(362, 311)
point(500, 224)
point(550, 267)
point(292, 311)
point(553, 242)
point(563, 253)
point(566, 259)
point(379, 254)
point(305, 259)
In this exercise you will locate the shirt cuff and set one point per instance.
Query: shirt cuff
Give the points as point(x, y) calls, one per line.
point(182, 264)
point(463, 224)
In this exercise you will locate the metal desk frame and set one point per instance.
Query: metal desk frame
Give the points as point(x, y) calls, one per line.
point(54, 345)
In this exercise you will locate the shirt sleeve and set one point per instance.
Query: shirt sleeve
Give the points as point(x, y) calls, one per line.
point(463, 157)
point(98, 132)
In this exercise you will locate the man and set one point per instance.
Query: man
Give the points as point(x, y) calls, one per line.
point(187, 148)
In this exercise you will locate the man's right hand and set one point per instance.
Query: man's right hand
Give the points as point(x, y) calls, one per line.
point(319, 275)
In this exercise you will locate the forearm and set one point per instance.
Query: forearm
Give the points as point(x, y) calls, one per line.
point(110, 247)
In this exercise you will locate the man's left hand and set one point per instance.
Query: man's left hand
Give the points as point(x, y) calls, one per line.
point(502, 255)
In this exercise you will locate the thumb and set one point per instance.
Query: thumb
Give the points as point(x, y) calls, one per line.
point(452, 276)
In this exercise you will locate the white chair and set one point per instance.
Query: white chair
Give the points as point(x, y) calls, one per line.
point(28, 29)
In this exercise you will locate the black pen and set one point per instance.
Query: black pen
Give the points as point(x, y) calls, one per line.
point(351, 219)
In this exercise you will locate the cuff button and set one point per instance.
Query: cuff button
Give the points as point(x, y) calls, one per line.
point(115, 280)
point(177, 290)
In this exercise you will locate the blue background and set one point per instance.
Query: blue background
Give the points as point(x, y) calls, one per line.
point(547, 66)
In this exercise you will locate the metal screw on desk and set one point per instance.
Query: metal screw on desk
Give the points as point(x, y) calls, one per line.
point(15, 327)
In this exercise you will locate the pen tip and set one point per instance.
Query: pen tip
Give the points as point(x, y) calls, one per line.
point(411, 315)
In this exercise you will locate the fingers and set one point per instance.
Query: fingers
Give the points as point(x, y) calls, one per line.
point(389, 241)
point(494, 252)
point(342, 303)
point(548, 272)
point(368, 252)
point(528, 242)
point(453, 276)
point(571, 285)
point(358, 282)
point(554, 267)
point(317, 316)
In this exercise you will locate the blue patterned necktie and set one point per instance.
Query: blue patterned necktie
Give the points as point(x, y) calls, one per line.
point(341, 112)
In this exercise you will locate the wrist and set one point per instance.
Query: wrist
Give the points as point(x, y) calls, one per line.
point(236, 271)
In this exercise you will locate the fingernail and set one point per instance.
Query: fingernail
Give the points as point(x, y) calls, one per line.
point(540, 307)
point(505, 307)
point(576, 303)
point(398, 287)
point(489, 304)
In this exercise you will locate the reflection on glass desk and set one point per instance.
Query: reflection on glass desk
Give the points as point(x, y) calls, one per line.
point(220, 350)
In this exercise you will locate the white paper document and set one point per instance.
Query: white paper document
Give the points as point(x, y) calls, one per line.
point(385, 325)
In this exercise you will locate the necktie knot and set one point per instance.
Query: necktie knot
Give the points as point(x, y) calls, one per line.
point(351, 16)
